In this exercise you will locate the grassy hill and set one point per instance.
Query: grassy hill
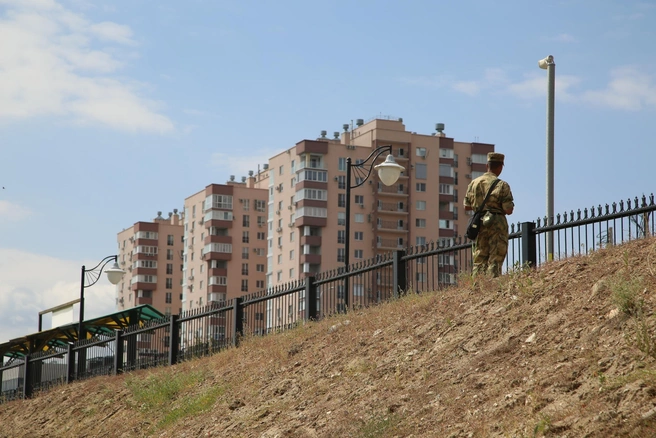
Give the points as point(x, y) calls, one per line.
point(567, 350)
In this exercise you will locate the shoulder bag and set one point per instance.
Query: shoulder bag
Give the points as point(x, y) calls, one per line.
point(474, 225)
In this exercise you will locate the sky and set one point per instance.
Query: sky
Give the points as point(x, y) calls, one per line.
point(111, 111)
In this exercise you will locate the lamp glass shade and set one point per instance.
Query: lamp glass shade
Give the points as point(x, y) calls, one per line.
point(114, 274)
point(389, 171)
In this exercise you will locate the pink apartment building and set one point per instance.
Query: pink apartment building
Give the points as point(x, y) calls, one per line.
point(287, 220)
point(151, 254)
point(225, 237)
point(307, 197)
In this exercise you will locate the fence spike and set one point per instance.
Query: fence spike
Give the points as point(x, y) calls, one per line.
point(600, 210)
point(607, 209)
point(558, 218)
point(636, 202)
point(628, 204)
point(651, 199)
point(614, 207)
point(644, 200)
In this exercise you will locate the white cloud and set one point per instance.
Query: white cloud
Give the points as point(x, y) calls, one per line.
point(32, 283)
point(52, 63)
point(629, 89)
point(10, 212)
point(238, 164)
point(562, 38)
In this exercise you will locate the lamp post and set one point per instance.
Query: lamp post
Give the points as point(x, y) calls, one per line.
point(388, 172)
point(549, 65)
point(91, 277)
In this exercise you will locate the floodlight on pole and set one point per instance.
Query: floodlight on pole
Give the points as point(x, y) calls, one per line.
point(549, 65)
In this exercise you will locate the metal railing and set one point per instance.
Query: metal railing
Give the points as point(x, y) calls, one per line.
point(430, 267)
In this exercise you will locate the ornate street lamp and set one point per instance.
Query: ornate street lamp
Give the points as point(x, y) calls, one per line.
point(388, 172)
point(91, 277)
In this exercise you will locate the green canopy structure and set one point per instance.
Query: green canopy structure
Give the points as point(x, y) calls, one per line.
point(62, 336)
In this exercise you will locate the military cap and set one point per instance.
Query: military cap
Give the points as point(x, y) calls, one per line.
point(495, 157)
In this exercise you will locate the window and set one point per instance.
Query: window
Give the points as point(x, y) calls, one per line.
point(146, 235)
point(359, 235)
point(169, 283)
point(291, 255)
point(244, 253)
point(341, 200)
point(359, 199)
point(446, 224)
point(259, 268)
point(169, 269)
point(446, 170)
point(446, 189)
point(421, 152)
point(341, 218)
point(341, 164)
point(359, 218)
point(420, 223)
point(169, 240)
point(420, 171)
point(244, 285)
point(261, 235)
point(281, 170)
point(218, 201)
point(358, 254)
point(246, 221)
point(421, 187)
point(341, 182)
point(475, 174)
point(421, 205)
point(420, 240)
point(291, 273)
point(169, 254)
point(447, 153)
point(244, 269)
point(260, 205)
point(259, 284)
point(280, 259)
point(421, 277)
point(169, 298)
point(244, 237)
point(479, 158)
point(341, 236)
point(340, 255)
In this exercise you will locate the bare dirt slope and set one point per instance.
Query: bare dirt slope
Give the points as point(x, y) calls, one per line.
point(567, 350)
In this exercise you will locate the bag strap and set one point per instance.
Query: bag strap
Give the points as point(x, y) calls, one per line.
point(489, 191)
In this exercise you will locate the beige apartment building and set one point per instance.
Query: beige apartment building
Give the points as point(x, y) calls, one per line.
point(151, 255)
point(225, 235)
point(307, 197)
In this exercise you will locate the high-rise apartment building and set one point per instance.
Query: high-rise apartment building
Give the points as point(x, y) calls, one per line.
point(307, 197)
point(225, 235)
point(151, 255)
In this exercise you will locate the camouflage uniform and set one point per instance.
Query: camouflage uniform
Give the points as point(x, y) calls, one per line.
point(491, 245)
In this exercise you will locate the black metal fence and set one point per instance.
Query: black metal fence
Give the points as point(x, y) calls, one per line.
point(423, 268)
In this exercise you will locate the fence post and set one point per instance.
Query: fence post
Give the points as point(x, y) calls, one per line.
point(399, 281)
point(310, 298)
point(174, 339)
point(70, 363)
point(529, 254)
point(27, 378)
point(118, 352)
point(237, 320)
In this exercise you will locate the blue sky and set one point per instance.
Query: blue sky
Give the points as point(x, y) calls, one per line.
point(113, 110)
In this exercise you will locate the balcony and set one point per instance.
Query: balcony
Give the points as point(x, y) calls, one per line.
point(313, 259)
point(225, 256)
point(392, 226)
point(389, 244)
point(392, 207)
point(311, 240)
point(393, 190)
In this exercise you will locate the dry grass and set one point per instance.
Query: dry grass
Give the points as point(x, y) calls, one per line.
point(534, 353)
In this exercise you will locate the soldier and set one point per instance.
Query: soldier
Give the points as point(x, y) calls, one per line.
point(491, 245)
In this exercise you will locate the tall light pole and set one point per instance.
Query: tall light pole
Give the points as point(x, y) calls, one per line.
point(549, 65)
point(388, 172)
point(91, 277)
